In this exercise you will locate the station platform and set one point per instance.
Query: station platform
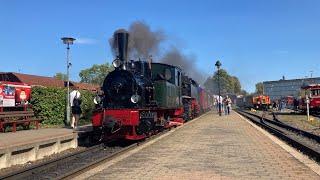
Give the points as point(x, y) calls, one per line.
point(29, 145)
point(210, 147)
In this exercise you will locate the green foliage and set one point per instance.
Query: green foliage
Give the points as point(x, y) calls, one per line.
point(95, 74)
point(50, 103)
point(87, 104)
point(259, 88)
point(61, 76)
point(228, 84)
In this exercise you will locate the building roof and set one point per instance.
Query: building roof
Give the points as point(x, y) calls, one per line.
point(288, 80)
point(86, 86)
point(35, 80)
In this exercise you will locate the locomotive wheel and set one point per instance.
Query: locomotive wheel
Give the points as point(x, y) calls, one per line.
point(110, 126)
point(95, 136)
point(144, 127)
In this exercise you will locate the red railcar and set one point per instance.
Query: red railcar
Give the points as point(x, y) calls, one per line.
point(14, 95)
point(205, 100)
point(311, 91)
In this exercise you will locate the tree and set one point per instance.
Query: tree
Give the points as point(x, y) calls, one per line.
point(259, 88)
point(228, 84)
point(61, 76)
point(236, 85)
point(95, 74)
point(244, 92)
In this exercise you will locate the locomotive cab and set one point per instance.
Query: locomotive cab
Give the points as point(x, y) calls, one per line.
point(167, 83)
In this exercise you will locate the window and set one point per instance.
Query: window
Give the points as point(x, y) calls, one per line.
point(315, 92)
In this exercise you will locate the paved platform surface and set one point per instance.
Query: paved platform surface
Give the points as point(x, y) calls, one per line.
point(28, 136)
point(212, 147)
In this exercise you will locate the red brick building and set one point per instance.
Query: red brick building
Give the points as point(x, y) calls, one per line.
point(35, 80)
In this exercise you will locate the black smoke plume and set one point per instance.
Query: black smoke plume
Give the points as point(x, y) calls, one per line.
point(144, 42)
point(175, 57)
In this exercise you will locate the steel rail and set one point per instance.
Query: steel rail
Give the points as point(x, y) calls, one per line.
point(279, 123)
point(282, 135)
point(39, 171)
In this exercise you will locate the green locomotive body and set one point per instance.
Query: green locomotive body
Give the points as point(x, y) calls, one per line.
point(167, 84)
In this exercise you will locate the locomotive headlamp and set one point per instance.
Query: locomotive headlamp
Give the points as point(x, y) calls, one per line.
point(135, 98)
point(117, 63)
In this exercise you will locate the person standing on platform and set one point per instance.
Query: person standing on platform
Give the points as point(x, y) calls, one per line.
point(225, 106)
point(75, 103)
point(220, 103)
point(227, 103)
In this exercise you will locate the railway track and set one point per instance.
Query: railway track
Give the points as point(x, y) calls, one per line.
point(305, 142)
point(71, 165)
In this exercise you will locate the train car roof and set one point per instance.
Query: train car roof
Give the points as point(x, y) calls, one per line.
point(168, 65)
point(311, 86)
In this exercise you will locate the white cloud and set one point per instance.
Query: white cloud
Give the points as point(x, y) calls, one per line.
point(88, 41)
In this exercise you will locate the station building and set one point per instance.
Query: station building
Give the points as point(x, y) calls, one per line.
point(284, 88)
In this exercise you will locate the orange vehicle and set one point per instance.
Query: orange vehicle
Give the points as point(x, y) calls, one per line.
point(257, 101)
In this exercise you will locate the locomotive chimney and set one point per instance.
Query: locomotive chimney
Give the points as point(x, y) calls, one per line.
point(121, 38)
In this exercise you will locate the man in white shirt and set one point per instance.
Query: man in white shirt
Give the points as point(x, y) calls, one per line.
point(75, 103)
point(220, 103)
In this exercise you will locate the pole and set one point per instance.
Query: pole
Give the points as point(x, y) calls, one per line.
point(219, 99)
point(308, 110)
point(68, 86)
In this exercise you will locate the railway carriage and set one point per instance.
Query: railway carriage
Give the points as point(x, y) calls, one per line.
point(311, 91)
point(205, 100)
point(190, 98)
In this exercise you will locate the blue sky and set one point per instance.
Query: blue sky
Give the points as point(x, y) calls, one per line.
point(256, 40)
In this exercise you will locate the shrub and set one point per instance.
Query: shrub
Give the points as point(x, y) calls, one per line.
point(50, 103)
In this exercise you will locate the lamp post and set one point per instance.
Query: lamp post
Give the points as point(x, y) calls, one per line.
point(218, 65)
point(68, 41)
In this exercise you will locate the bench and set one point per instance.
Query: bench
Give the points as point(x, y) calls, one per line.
point(17, 117)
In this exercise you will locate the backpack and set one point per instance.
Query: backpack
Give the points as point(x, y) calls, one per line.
point(76, 101)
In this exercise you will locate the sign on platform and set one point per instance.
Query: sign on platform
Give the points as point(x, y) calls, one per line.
point(7, 96)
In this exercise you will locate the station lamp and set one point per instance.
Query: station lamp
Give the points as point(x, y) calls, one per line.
point(218, 65)
point(68, 41)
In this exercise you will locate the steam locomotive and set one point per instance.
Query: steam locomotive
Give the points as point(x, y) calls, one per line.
point(142, 97)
